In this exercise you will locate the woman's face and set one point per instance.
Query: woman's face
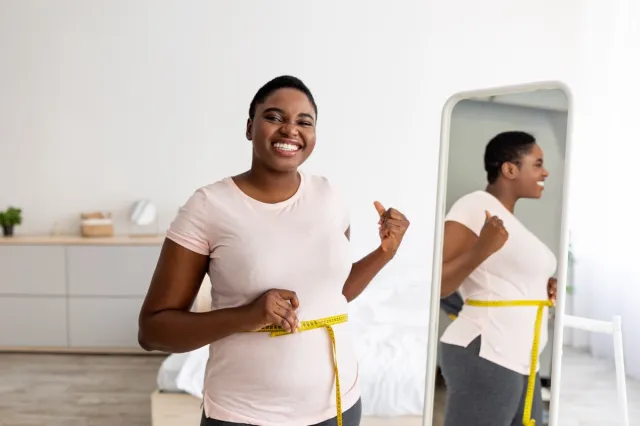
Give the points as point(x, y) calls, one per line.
point(283, 130)
point(532, 174)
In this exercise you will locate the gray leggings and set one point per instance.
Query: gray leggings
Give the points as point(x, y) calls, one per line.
point(351, 417)
point(482, 393)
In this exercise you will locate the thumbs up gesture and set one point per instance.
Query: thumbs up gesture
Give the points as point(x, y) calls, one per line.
point(391, 227)
point(492, 236)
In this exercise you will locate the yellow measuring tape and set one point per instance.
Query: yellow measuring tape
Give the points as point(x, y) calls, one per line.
point(541, 304)
point(326, 323)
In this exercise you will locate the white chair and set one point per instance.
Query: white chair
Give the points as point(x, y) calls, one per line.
point(613, 328)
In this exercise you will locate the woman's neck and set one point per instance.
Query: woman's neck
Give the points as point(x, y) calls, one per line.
point(269, 186)
point(504, 195)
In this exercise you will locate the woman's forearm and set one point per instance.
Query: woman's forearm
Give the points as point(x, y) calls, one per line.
point(456, 270)
point(363, 271)
point(177, 331)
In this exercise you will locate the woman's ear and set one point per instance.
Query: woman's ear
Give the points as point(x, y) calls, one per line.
point(249, 132)
point(509, 170)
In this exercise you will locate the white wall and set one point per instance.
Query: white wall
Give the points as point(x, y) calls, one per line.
point(603, 201)
point(106, 102)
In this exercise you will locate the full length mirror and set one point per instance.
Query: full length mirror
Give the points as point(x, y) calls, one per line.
point(500, 258)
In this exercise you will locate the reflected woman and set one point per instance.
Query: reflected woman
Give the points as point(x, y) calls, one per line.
point(489, 255)
point(275, 244)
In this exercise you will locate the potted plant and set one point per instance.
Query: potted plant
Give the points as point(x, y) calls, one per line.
point(9, 219)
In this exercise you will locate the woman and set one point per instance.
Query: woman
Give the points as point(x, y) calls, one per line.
point(275, 243)
point(488, 255)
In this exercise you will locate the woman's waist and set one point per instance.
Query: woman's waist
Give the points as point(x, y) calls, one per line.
point(314, 335)
point(497, 327)
point(503, 294)
point(290, 363)
point(518, 319)
point(506, 316)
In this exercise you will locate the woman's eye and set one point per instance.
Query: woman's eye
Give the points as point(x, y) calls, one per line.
point(272, 118)
point(305, 123)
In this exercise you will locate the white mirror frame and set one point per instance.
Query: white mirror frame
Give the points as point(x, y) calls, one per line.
point(445, 132)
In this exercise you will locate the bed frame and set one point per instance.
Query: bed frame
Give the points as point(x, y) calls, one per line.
point(175, 409)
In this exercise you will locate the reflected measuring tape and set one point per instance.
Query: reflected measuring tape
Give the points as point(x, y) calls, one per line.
point(541, 304)
point(326, 323)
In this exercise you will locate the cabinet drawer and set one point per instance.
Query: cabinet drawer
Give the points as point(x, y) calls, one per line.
point(33, 322)
point(111, 271)
point(32, 270)
point(104, 322)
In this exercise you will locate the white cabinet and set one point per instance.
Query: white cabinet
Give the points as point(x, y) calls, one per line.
point(32, 270)
point(71, 293)
point(110, 271)
point(103, 322)
point(33, 322)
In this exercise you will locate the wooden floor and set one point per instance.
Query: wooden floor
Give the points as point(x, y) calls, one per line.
point(70, 390)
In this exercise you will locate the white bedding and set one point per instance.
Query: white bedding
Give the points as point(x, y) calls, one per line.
point(390, 328)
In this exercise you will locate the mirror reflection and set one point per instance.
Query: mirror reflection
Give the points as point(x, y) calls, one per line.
point(501, 246)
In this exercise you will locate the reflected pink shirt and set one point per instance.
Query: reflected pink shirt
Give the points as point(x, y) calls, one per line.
point(299, 245)
point(520, 270)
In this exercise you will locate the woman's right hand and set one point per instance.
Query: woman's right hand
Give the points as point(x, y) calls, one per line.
point(492, 236)
point(275, 307)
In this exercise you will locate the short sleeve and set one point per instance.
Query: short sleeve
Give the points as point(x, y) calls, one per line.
point(191, 227)
point(469, 211)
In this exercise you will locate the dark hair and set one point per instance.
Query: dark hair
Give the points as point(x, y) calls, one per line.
point(282, 82)
point(505, 147)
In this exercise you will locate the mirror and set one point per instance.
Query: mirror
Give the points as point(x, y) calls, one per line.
point(500, 245)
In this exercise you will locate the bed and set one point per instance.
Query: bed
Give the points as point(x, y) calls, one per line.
point(390, 325)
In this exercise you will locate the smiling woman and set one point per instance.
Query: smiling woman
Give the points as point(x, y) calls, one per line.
point(282, 127)
point(275, 244)
point(491, 259)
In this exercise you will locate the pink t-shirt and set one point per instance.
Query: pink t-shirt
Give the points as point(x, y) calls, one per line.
point(299, 245)
point(520, 270)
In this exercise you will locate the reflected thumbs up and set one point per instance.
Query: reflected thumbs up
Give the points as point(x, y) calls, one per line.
point(493, 235)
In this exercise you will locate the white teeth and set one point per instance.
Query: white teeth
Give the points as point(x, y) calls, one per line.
point(541, 183)
point(286, 146)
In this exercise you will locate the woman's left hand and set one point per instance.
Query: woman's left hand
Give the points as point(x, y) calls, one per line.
point(392, 226)
point(552, 288)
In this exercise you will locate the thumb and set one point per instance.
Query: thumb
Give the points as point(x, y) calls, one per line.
point(379, 207)
point(487, 215)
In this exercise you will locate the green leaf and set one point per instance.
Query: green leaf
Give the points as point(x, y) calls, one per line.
point(11, 217)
